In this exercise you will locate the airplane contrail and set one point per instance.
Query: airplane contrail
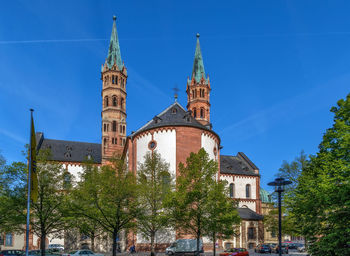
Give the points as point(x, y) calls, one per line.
point(52, 41)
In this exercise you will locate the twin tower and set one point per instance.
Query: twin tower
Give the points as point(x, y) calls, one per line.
point(114, 77)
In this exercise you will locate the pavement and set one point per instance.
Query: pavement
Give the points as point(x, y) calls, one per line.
point(251, 253)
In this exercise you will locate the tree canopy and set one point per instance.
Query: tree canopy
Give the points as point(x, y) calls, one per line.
point(322, 196)
point(154, 184)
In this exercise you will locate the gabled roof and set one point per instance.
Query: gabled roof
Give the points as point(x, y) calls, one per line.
point(248, 214)
point(237, 165)
point(174, 115)
point(114, 56)
point(70, 151)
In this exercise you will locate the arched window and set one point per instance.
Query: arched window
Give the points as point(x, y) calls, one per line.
point(193, 94)
point(247, 191)
point(202, 113)
point(114, 126)
point(232, 190)
point(116, 79)
point(106, 101)
point(104, 127)
point(123, 129)
point(115, 102)
point(105, 142)
point(194, 112)
point(112, 79)
point(122, 103)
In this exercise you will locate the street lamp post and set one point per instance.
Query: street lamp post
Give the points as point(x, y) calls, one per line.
point(279, 184)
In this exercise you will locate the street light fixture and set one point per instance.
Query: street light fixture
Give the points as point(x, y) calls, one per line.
point(279, 184)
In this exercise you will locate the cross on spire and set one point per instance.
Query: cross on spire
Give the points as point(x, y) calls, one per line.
point(175, 89)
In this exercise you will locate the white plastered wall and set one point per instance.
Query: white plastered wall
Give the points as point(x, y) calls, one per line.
point(75, 170)
point(166, 147)
point(250, 205)
point(142, 147)
point(240, 186)
point(208, 143)
point(162, 237)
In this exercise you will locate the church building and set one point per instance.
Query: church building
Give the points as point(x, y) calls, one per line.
point(174, 132)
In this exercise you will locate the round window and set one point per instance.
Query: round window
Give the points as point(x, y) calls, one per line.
point(152, 145)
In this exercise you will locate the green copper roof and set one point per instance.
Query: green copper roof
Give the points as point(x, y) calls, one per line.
point(198, 67)
point(265, 196)
point(114, 56)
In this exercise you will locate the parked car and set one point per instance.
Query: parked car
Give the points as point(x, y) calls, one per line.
point(235, 252)
point(263, 248)
point(284, 249)
point(11, 253)
point(82, 252)
point(301, 248)
point(184, 246)
point(48, 252)
point(56, 246)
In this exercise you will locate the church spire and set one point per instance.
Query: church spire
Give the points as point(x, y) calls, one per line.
point(198, 90)
point(114, 56)
point(198, 67)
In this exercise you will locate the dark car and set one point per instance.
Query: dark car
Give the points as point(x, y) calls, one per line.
point(11, 253)
point(263, 248)
point(284, 249)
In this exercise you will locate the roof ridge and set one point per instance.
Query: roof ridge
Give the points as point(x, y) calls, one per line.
point(161, 113)
point(45, 139)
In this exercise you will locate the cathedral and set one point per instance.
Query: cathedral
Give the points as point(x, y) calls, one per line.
point(174, 132)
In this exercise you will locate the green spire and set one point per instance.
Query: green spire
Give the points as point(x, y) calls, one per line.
point(198, 67)
point(114, 56)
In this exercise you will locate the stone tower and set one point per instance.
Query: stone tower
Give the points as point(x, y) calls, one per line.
point(114, 77)
point(198, 89)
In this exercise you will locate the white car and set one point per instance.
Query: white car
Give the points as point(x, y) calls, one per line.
point(56, 246)
point(82, 253)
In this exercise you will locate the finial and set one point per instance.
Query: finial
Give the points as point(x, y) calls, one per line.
point(197, 35)
point(114, 17)
point(175, 92)
point(31, 110)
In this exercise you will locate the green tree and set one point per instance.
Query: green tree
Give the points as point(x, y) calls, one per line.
point(12, 184)
point(322, 197)
point(47, 214)
point(193, 203)
point(106, 195)
point(154, 184)
point(290, 171)
point(221, 215)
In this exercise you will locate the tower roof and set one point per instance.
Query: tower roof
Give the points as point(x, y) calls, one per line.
point(198, 67)
point(114, 56)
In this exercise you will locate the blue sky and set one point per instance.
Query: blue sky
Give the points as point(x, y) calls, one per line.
point(276, 68)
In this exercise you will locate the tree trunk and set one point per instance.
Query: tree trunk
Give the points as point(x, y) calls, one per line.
point(152, 244)
point(214, 244)
point(43, 243)
point(92, 240)
point(114, 246)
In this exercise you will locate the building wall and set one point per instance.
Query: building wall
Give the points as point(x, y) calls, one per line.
point(142, 147)
point(209, 144)
point(17, 242)
point(74, 169)
point(166, 146)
